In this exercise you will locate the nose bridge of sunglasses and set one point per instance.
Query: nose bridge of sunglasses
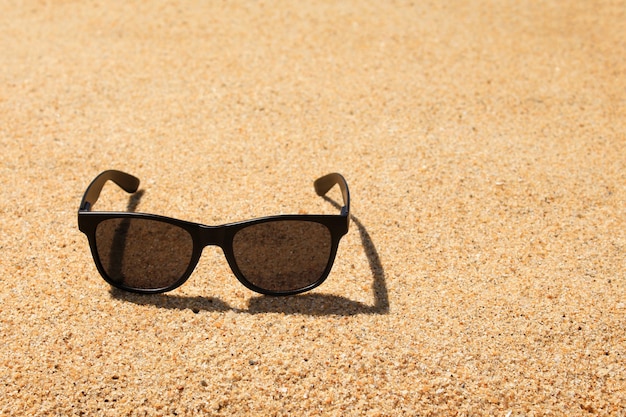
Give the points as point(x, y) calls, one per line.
point(212, 235)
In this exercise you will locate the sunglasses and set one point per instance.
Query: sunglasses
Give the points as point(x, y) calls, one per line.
point(275, 255)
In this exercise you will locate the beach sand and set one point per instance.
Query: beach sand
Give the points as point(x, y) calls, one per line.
point(484, 143)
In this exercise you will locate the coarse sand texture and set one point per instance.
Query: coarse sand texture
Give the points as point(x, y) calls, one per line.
point(484, 144)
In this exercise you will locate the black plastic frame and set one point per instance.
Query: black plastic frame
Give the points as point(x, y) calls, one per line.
point(205, 235)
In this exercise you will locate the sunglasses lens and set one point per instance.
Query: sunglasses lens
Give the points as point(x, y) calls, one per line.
point(143, 254)
point(284, 255)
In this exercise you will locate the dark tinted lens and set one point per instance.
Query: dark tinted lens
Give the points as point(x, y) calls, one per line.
point(143, 254)
point(283, 255)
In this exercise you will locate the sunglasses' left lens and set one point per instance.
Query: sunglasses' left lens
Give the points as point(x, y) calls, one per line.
point(284, 255)
point(143, 254)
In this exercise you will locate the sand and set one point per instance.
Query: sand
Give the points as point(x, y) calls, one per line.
point(484, 143)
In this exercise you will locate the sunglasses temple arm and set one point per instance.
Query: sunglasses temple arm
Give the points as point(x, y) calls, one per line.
point(325, 183)
point(126, 181)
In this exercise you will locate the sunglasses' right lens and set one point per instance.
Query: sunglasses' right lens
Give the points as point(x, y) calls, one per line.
point(143, 254)
point(284, 255)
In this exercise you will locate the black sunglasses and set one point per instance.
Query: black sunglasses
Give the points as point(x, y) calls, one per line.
point(275, 255)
